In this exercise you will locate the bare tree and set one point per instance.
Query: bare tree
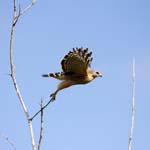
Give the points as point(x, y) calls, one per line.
point(16, 17)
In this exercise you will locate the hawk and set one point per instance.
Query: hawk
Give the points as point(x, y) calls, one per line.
point(75, 70)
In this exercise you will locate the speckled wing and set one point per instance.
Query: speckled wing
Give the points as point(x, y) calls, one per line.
point(76, 62)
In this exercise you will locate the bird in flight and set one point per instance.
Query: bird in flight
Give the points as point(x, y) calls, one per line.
point(76, 69)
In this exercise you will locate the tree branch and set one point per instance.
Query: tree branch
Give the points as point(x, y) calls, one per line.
point(28, 7)
point(12, 67)
point(133, 106)
point(41, 128)
point(51, 100)
point(10, 142)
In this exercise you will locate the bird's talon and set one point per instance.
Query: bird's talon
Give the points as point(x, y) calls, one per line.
point(53, 96)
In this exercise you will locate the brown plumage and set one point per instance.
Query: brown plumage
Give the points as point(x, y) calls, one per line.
point(75, 69)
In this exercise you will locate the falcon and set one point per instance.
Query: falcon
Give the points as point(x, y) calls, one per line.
point(76, 69)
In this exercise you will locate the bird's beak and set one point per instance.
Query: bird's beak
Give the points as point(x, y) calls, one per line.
point(100, 75)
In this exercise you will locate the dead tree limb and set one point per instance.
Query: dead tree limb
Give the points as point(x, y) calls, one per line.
point(28, 7)
point(41, 127)
point(10, 142)
point(12, 67)
point(43, 107)
point(133, 106)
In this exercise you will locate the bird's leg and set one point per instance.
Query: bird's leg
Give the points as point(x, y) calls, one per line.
point(62, 85)
point(53, 95)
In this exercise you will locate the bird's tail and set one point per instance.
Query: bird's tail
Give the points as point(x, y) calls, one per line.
point(48, 75)
point(58, 75)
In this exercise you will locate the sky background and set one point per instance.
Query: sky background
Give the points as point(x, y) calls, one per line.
point(93, 116)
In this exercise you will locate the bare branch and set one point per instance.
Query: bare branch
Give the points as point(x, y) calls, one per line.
point(10, 142)
point(133, 106)
point(28, 7)
point(13, 76)
point(41, 128)
point(51, 100)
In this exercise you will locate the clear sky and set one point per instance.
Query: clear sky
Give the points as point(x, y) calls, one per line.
point(94, 116)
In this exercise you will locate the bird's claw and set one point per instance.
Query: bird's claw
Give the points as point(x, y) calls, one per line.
point(53, 96)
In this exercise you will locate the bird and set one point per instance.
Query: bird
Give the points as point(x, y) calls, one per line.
point(76, 69)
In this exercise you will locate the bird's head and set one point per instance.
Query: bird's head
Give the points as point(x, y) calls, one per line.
point(96, 74)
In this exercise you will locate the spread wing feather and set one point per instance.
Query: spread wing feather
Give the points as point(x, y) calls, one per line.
point(77, 61)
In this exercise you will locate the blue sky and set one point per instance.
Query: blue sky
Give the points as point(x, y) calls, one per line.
point(94, 116)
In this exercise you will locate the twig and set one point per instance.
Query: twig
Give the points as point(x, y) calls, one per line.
point(13, 76)
point(10, 142)
point(51, 100)
point(41, 128)
point(28, 7)
point(133, 106)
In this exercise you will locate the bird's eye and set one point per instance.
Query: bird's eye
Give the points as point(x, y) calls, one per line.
point(97, 72)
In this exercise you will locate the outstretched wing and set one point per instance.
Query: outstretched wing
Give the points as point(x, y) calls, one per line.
point(77, 62)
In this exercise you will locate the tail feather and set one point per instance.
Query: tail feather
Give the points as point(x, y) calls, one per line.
point(58, 75)
point(48, 75)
